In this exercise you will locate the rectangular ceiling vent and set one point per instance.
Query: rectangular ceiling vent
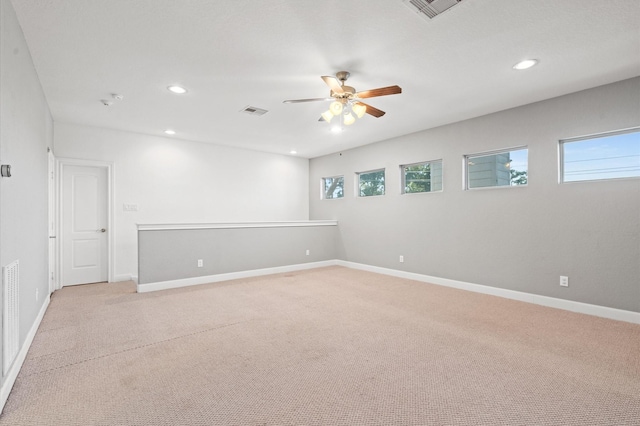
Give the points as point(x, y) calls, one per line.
point(429, 9)
point(254, 111)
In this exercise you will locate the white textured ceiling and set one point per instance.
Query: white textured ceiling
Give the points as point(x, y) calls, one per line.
point(231, 54)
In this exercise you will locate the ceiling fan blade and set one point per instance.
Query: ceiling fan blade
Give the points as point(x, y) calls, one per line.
point(333, 83)
point(372, 111)
point(297, 101)
point(383, 91)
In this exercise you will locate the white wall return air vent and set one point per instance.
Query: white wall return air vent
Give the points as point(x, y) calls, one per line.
point(429, 9)
point(11, 316)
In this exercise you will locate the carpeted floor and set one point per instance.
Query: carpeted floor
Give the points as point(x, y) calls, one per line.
point(329, 346)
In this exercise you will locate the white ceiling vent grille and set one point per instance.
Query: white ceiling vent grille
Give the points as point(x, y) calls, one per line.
point(429, 9)
point(253, 110)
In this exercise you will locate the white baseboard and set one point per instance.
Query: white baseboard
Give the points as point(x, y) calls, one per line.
point(165, 285)
point(552, 302)
point(12, 374)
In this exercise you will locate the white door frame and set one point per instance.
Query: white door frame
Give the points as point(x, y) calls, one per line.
point(52, 223)
point(61, 163)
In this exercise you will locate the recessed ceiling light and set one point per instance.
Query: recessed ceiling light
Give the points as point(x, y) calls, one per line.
point(523, 65)
point(293, 152)
point(177, 89)
point(170, 132)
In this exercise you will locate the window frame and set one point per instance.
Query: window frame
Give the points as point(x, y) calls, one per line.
point(465, 167)
point(403, 183)
point(563, 141)
point(357, 183)
point(322, 187)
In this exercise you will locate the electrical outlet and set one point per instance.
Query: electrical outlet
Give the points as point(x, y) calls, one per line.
point(200, 263)
point(37, 294)
point(401, 259)
point(308, 252)
point(564, 281)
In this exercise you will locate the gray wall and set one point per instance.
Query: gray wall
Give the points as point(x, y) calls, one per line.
point(165, 255)
point(25, 133)
point(179, 181)
point(518, 238)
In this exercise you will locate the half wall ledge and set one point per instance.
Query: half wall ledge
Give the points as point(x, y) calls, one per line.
point(234, 225)
point(184, 253)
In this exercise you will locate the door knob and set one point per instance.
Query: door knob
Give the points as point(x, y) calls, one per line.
point(103, 230)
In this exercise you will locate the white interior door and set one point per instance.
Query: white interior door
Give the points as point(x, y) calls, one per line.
point(84, 224)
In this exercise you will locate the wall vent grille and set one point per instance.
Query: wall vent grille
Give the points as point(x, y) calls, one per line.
point(253, 110)
point(429, 9)
point(11, 317)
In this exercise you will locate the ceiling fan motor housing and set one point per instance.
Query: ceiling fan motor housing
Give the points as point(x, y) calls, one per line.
point(343, 76)
point(347, 93)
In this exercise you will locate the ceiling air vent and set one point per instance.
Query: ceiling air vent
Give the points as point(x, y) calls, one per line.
point(429, 9)
point(254, 111)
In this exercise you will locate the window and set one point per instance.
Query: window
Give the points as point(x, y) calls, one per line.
point(422, 177)
point(371, 183)
point(332, 187)
point(497, 168)
point(610, 155)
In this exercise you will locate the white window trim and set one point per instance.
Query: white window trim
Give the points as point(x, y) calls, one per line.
point(465, 169)
point(322, 193)
point(561, 143)
point(357, 183)
point(402, 177)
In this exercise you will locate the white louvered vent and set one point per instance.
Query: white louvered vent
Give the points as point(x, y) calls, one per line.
point(11, 318)
point(429, 9)
point(254, 111)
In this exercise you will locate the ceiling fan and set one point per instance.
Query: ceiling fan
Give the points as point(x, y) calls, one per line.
point(346, 102)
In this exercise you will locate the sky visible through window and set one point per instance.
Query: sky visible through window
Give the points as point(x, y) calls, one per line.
point(519, 160)
point(607, 157)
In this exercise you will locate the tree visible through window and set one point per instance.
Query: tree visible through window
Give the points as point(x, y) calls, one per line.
point(333, 187)
point(518, 177)
point(422, 177)
point(371, 183)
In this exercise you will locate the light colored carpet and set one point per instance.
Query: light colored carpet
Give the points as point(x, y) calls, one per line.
point(329, 346)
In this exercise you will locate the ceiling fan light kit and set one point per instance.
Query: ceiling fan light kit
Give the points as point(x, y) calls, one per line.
point(346, 102)
point(335, 108)
point(327, 116)
point(359, 110)
point(348, 119)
